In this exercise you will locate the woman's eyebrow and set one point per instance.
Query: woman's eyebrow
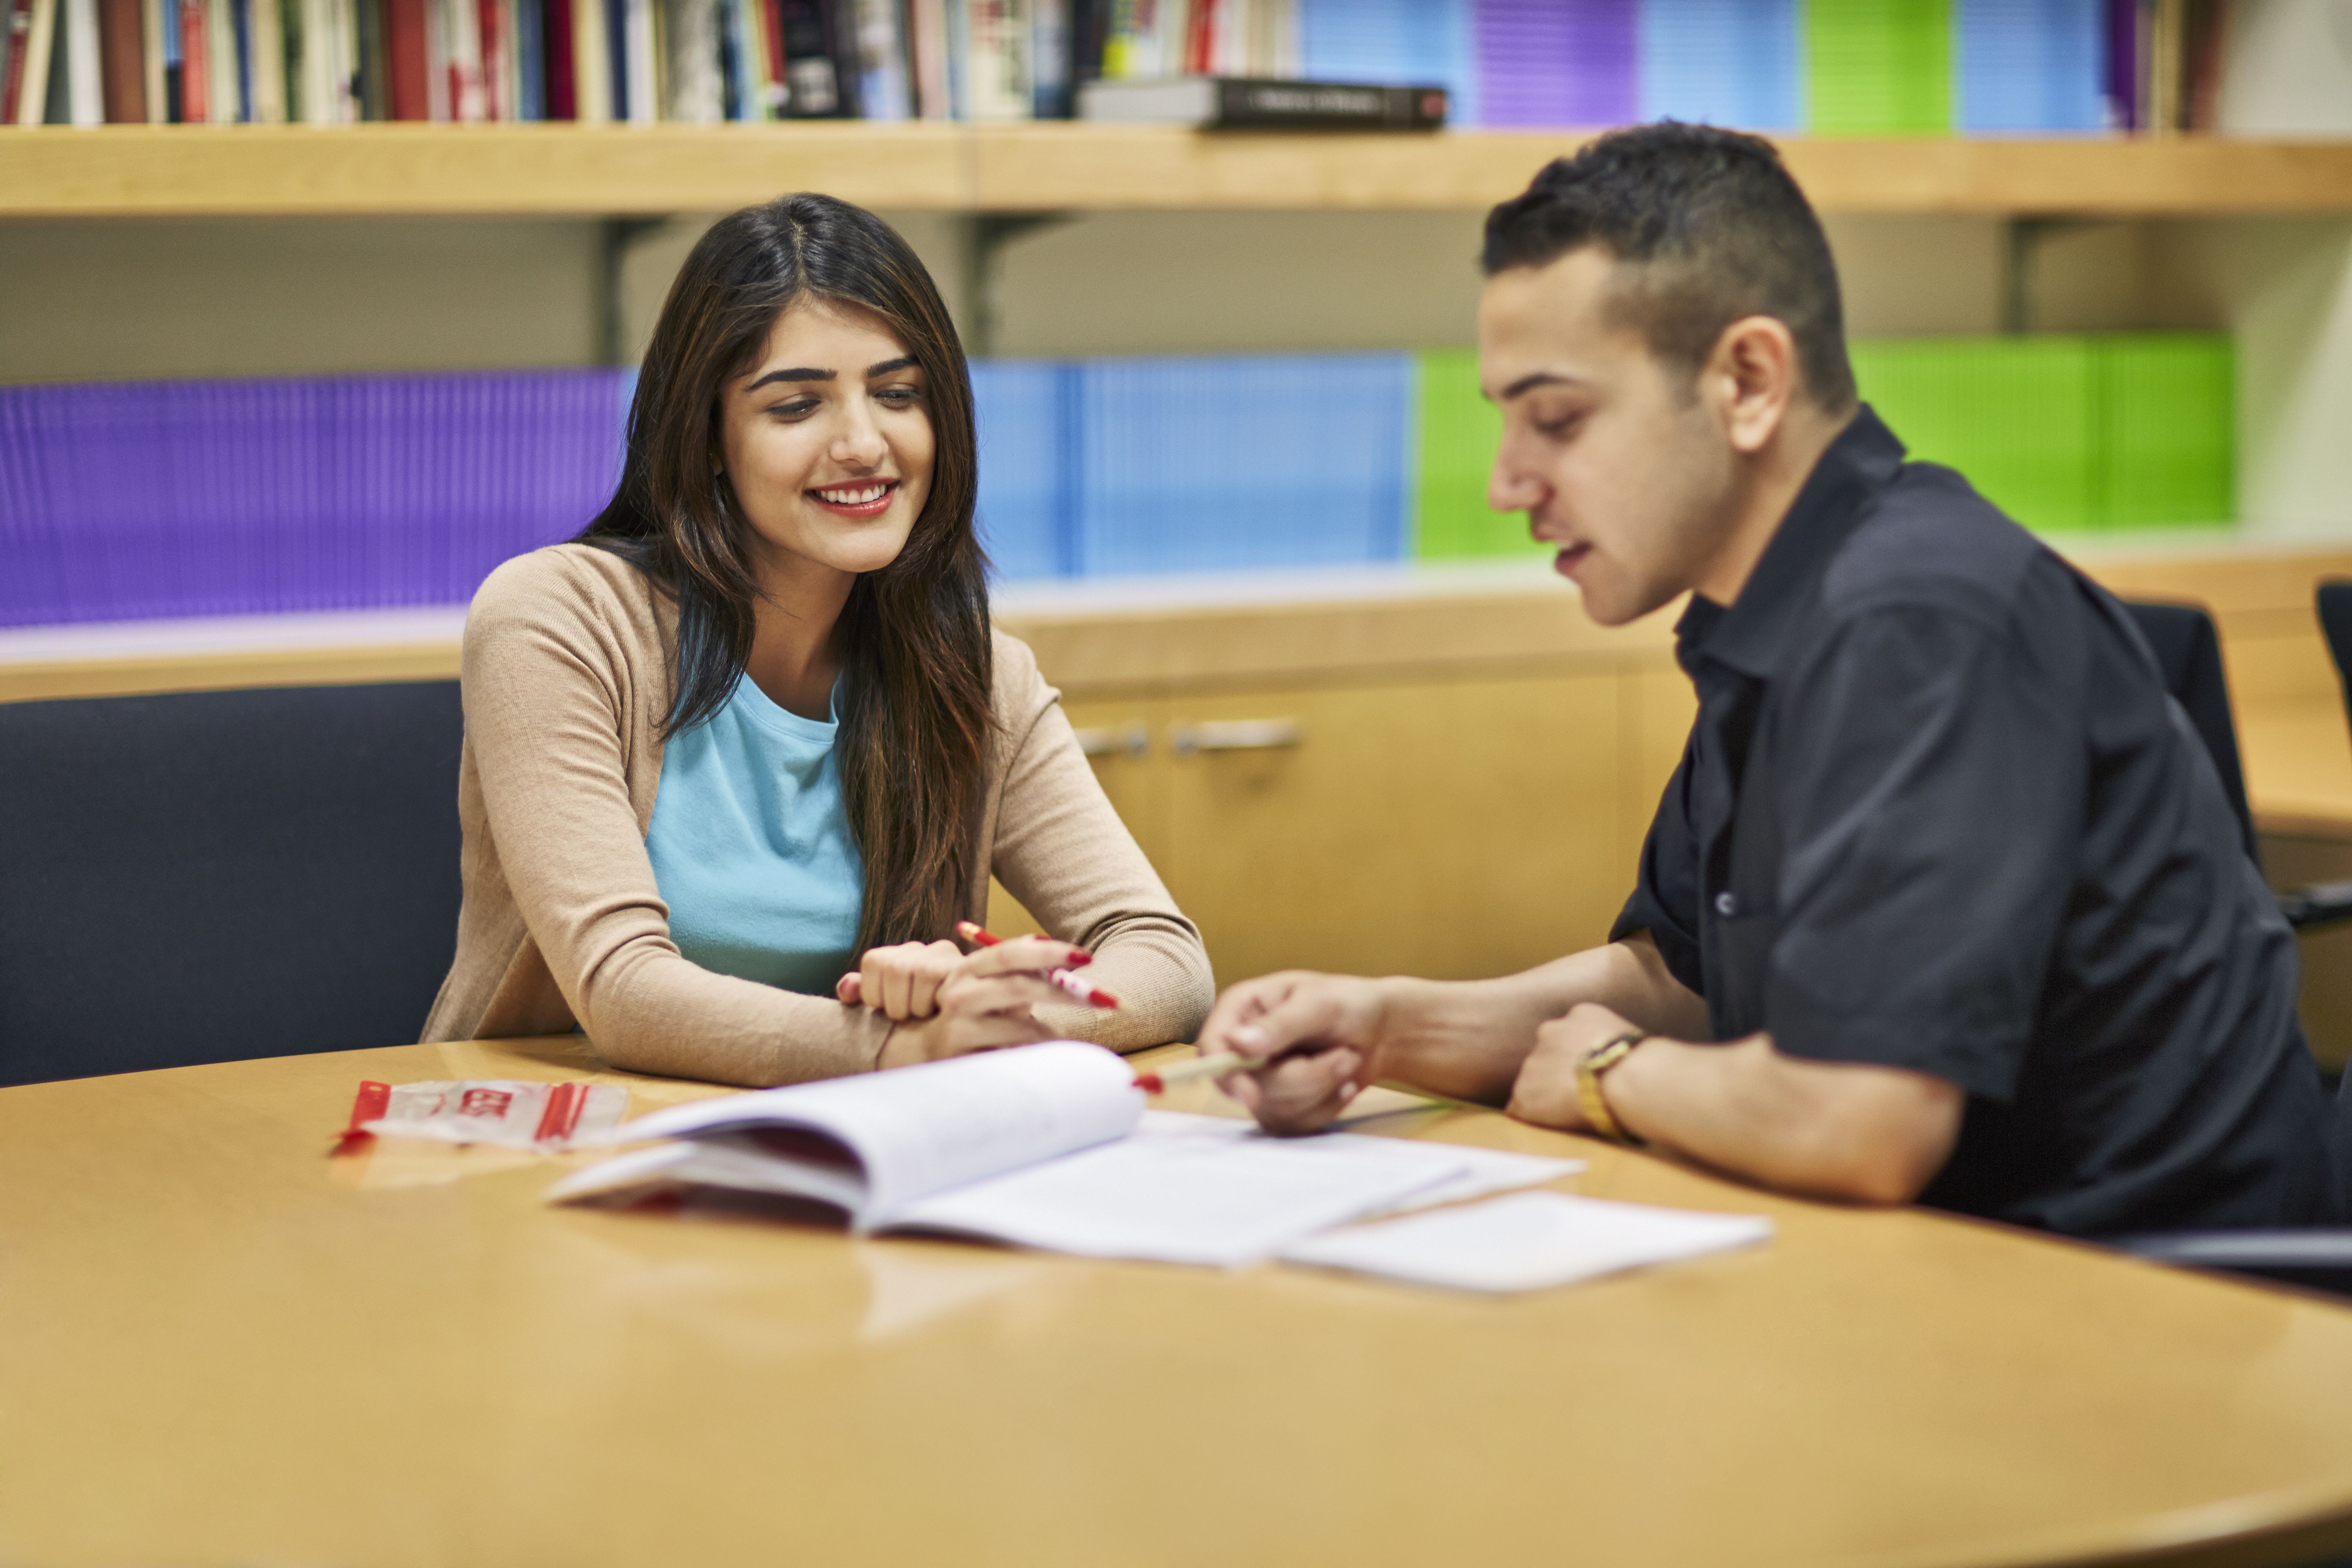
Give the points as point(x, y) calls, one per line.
point(800, 373)
point(903, 362)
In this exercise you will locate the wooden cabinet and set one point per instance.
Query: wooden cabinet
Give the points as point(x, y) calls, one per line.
point(1453, 821)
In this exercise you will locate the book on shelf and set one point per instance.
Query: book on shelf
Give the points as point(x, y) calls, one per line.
point(1228, 103)
point(1867, 67)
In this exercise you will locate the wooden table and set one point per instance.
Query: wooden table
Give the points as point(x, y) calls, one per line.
point(217, 1345)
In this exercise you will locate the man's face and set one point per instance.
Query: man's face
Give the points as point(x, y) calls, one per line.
point(1613, 455)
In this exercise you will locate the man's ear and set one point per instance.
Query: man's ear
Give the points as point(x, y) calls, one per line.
point(1753, 372)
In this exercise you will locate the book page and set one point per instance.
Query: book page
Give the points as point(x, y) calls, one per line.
point(918, 1130)
point(1481, 1173)
point(1214, 1199)
point(1526, 1242)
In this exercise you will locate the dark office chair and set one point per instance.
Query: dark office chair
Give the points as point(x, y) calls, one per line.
point(2188, 653)
point(208, 875)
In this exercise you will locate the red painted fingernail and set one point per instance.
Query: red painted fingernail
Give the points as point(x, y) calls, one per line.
point(1101, 999)
point(1150, 1083)
point(1079, 958)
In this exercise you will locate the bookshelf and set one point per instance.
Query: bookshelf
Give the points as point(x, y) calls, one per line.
point(559, 170)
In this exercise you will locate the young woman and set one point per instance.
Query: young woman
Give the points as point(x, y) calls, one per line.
point(740, 757)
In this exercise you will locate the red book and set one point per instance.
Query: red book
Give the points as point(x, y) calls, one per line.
point(494, 65)
point(776, 72)
point(19, 17)
point(556, 41)
point(123, 61)
point(1201, 47)
point(404, 62)
point(195, 65)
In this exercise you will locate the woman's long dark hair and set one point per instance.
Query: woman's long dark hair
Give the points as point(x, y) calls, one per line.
point(914, 702)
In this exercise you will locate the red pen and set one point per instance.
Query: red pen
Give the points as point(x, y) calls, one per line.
point(980, 937)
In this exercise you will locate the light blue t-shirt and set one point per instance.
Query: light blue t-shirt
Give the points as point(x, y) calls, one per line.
point(752, 848)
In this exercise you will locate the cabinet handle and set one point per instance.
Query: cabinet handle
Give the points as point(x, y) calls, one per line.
point(1133, 741)
point(1236, 735)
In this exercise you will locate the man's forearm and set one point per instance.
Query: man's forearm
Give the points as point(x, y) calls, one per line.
point(1855, 1132)
point(1468, 1038)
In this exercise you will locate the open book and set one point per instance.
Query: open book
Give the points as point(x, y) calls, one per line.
point(1046, 1146)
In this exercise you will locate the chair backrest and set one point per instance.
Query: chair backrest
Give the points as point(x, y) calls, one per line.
point(208, 875)
point(2189, 652)
point(2336, 625)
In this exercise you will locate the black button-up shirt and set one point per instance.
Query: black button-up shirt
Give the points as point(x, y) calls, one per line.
point(1937, 813)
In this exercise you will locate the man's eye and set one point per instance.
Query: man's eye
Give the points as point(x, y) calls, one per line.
point(1560, 428)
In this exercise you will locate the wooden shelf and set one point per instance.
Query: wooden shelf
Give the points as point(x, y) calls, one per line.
point(591, 170)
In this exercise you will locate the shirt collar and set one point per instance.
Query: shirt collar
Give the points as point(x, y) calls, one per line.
point(1753, 632)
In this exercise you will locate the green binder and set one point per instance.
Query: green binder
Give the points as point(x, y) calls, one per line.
point(2016, 415)
point(1878, 67)
point(1459, 434)
point(2169, 408)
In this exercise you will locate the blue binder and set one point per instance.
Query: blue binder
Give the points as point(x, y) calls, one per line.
point(2029, 67)
point(1236, 462)
point(1393, 41)
point(1027, 496)
point(1722, 62)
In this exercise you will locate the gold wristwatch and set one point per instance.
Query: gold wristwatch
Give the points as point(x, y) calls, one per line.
point(1589, 1069)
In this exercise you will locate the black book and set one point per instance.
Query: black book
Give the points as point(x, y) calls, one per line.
point(1251, 103)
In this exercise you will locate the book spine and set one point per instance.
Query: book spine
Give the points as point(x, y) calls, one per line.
point(927, 41)
point(591, 70)
point(530, 56)
point(1243, 104)
point(195, 65)
point(269, 62)
point(885, 89)
point(812, 84)
point(85, 75)
point(997, 67)
point(556, 46)
point(644, 102)
point(491, 60)
point(775, 84)
point(290, 42)
point(19, 16)
point(220, 63)
point(121, 45)
point(1050, 87)
point(617, 59)
point(404, 59)
point(40, 52)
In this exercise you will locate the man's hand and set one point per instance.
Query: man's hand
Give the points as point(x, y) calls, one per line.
point(1331, 1024)
point(1545, 1092)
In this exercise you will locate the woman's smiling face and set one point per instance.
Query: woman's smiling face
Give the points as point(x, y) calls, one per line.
point(827, 441)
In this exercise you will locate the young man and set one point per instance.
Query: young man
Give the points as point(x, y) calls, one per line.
point(1945, 902)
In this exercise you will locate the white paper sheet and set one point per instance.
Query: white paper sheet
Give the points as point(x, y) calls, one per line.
point(1526, 1242)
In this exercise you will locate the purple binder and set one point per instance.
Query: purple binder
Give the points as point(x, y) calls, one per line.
point(141, 499)
point(1558, 62)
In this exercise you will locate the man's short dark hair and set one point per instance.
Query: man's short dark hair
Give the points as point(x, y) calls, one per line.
point(1707, 227)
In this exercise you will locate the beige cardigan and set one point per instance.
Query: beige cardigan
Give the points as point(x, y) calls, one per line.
point(566, 682)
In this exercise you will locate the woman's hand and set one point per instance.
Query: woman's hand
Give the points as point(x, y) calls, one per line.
point(900, 981)
point(980, 1002)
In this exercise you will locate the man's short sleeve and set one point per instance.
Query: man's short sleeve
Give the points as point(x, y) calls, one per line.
point(1665, 899)
point(1930, 773)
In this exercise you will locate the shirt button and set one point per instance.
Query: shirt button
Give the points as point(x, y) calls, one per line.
point(1725, 905)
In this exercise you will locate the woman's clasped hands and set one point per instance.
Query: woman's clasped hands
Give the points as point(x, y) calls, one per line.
point(944, 1002)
